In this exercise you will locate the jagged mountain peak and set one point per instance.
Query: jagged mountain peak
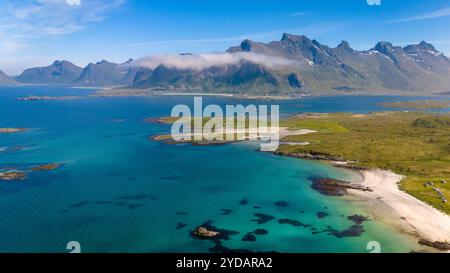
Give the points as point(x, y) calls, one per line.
point(58, 63)
point(294, 38)
point(104, 62)
point(314, 67)
point(427, 46)
point(420, 47)
point(59, 72)
point(344, 45)
point(5, 79)
point(247, 44)
point(383, 47)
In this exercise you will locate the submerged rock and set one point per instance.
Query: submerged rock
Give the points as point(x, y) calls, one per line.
point(292, 222)
point(243, 202)
point(180, 226)
point(249, 238)
point(132, 206)
point(358, 219)
point(262, 218)
point(322, 215)
point(353, 231)
point(226, 211)
point(282, 204)
point(79, 204)
point(260, 231)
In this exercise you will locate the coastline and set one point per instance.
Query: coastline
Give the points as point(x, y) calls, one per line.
point(388, 204)
point(111, 92)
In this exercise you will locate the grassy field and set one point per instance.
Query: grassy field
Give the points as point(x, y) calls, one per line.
point(414, 144)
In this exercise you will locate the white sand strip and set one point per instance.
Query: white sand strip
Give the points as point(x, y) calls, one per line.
point(425, 221)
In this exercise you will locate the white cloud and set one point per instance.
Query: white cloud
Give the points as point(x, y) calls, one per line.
point(299, 13)
point(430, 15)
point(35, 18)
point(204, 61)
point(73, 2)
point(24, 23)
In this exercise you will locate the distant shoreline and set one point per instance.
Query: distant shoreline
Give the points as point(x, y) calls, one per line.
point(125, 92)
point(118, 91)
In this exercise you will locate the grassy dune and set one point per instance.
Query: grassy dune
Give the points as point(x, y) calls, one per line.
point(416, 145)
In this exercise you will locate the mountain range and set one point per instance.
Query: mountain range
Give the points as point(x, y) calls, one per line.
point(5, 79)
point(310, 67)
point(317, 69)
point(102, 73)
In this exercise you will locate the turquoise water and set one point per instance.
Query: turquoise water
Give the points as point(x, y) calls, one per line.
point(120, 192)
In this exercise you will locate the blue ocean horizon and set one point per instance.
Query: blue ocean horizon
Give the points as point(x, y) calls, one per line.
point(119, 191)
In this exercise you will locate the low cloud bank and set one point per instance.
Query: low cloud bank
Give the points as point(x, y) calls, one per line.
point(205, 61)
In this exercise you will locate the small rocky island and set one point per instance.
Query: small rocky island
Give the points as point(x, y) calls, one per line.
point(13, 175)
point(21, 174)
point(204, 233)
point(12, 130)
point(46, 167)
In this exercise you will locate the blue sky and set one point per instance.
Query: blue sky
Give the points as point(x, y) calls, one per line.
point(36, 32)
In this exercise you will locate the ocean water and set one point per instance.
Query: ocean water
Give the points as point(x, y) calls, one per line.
point(118, 191)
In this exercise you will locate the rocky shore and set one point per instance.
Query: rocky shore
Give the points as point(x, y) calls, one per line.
point(443, 246)
point(324, 157)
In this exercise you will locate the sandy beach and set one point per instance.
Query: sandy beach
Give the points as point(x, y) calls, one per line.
point(389, 204)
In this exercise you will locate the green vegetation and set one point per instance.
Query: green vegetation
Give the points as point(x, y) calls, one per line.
point(167, 138)
point(414, 144)
point(418, 105)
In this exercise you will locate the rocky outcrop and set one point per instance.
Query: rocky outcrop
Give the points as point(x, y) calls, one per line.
point(444, 246)
point(204, 233)
point(310, 156)
point(334, 187)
